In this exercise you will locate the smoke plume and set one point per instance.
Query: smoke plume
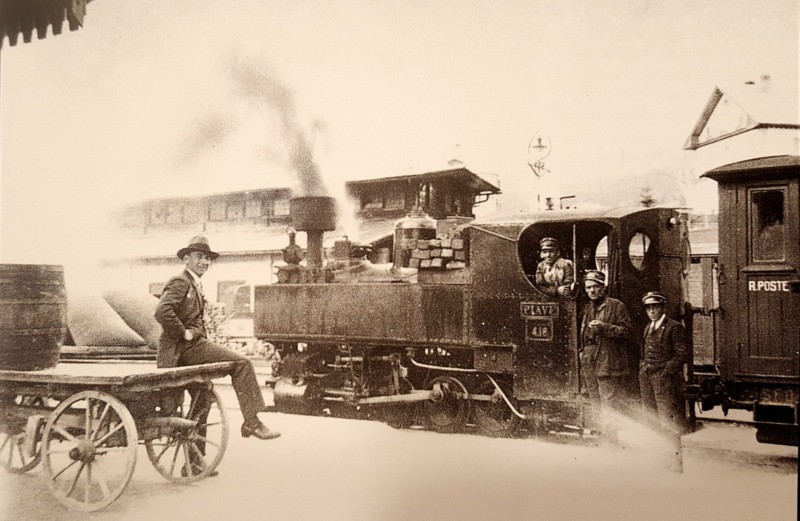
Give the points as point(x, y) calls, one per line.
point(259, 84)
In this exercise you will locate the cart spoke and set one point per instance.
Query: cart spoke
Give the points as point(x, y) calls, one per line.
point(71, 463)
point(88, 416)
point(175, 458)
point(22, 459)
point(99, 442)
point(102, 417)
point(65, 434)
point(104, 450)
point(207, 441)
point(102, 482)
point(187, 461)
point(88, 487)
point(166, 448)
point(75, 480)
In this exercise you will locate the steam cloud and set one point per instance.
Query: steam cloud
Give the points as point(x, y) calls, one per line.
point(260, 85)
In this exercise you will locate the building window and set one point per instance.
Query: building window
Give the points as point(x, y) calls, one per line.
point(395, 201)
point(234, 210)
point(158, 214)
point(767, 235)
point(280, 207)
point(193, 212)
point(216, 210)
point(156, 288)
point(371, 202)
point(174, 213)
point(252, 208)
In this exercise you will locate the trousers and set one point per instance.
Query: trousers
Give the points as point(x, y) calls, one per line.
point(243, 376)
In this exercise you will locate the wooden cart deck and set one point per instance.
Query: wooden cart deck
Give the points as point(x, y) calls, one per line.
point(129, 377)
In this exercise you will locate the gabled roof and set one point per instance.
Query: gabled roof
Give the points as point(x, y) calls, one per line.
point(748, 107)
point(462, 175)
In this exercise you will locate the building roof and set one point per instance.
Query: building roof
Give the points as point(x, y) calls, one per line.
point(464, 175)
point(23, 16)
point(747, 107)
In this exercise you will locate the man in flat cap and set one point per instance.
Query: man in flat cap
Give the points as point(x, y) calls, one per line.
point(664, 352)
point(554, 275)
point(184, 340)
point(605, 332)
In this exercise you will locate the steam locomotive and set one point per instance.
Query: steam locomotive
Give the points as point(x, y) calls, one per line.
point(456, 329)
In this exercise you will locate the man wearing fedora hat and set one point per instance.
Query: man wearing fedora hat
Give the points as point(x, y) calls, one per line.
point(184, 340)
point(554, 274)
point(605, 331)
point(664, 352)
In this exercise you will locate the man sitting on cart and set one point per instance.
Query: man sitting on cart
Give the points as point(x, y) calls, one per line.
point(184, 340)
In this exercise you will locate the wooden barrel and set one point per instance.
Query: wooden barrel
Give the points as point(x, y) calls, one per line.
point(33, 316)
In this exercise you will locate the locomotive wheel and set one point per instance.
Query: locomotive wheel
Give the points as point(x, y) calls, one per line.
point(495, 418)
point(187, 454)
point(89, 449)
point(449, 406)
point(12, 454)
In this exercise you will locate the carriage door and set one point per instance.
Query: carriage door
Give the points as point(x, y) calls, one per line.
point(768, 332)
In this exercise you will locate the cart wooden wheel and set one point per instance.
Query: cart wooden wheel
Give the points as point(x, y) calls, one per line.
point(449, 406)
point(89, 447)
point(13, 456)
point(494, 418)
point(190, 451)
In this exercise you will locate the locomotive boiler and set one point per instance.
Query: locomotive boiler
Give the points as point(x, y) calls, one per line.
point(455, 328)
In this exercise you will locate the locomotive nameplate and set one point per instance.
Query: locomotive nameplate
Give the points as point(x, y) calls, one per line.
point(540, 329)
point(539, 309)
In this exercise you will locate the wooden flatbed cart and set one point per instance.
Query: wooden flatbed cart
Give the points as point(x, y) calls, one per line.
point(84, 422)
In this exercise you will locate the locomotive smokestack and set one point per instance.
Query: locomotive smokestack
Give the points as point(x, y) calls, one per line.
point(313, 215)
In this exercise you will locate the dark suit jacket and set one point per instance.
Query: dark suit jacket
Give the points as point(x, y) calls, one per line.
point(671, 351)
point(180, 308)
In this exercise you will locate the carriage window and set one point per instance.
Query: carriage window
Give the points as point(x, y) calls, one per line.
point(637, 249)
point(766, 224)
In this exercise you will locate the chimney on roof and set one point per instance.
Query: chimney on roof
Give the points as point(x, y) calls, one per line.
point(765, 83)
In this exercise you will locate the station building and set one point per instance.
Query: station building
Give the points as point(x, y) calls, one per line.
point(249, 229)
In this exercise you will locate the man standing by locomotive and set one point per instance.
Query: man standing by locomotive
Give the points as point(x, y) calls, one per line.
point(660, 372)
point(183, 339)
point(605, 330)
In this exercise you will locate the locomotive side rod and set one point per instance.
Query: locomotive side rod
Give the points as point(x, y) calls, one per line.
point(468, 370)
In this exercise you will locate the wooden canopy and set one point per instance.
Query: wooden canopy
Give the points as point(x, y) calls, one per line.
point(23, 16)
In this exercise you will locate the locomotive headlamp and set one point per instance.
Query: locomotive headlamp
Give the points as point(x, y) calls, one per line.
point(671, 223)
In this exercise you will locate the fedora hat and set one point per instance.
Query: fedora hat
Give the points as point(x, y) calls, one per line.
point(198, 243)
point(654, 298)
